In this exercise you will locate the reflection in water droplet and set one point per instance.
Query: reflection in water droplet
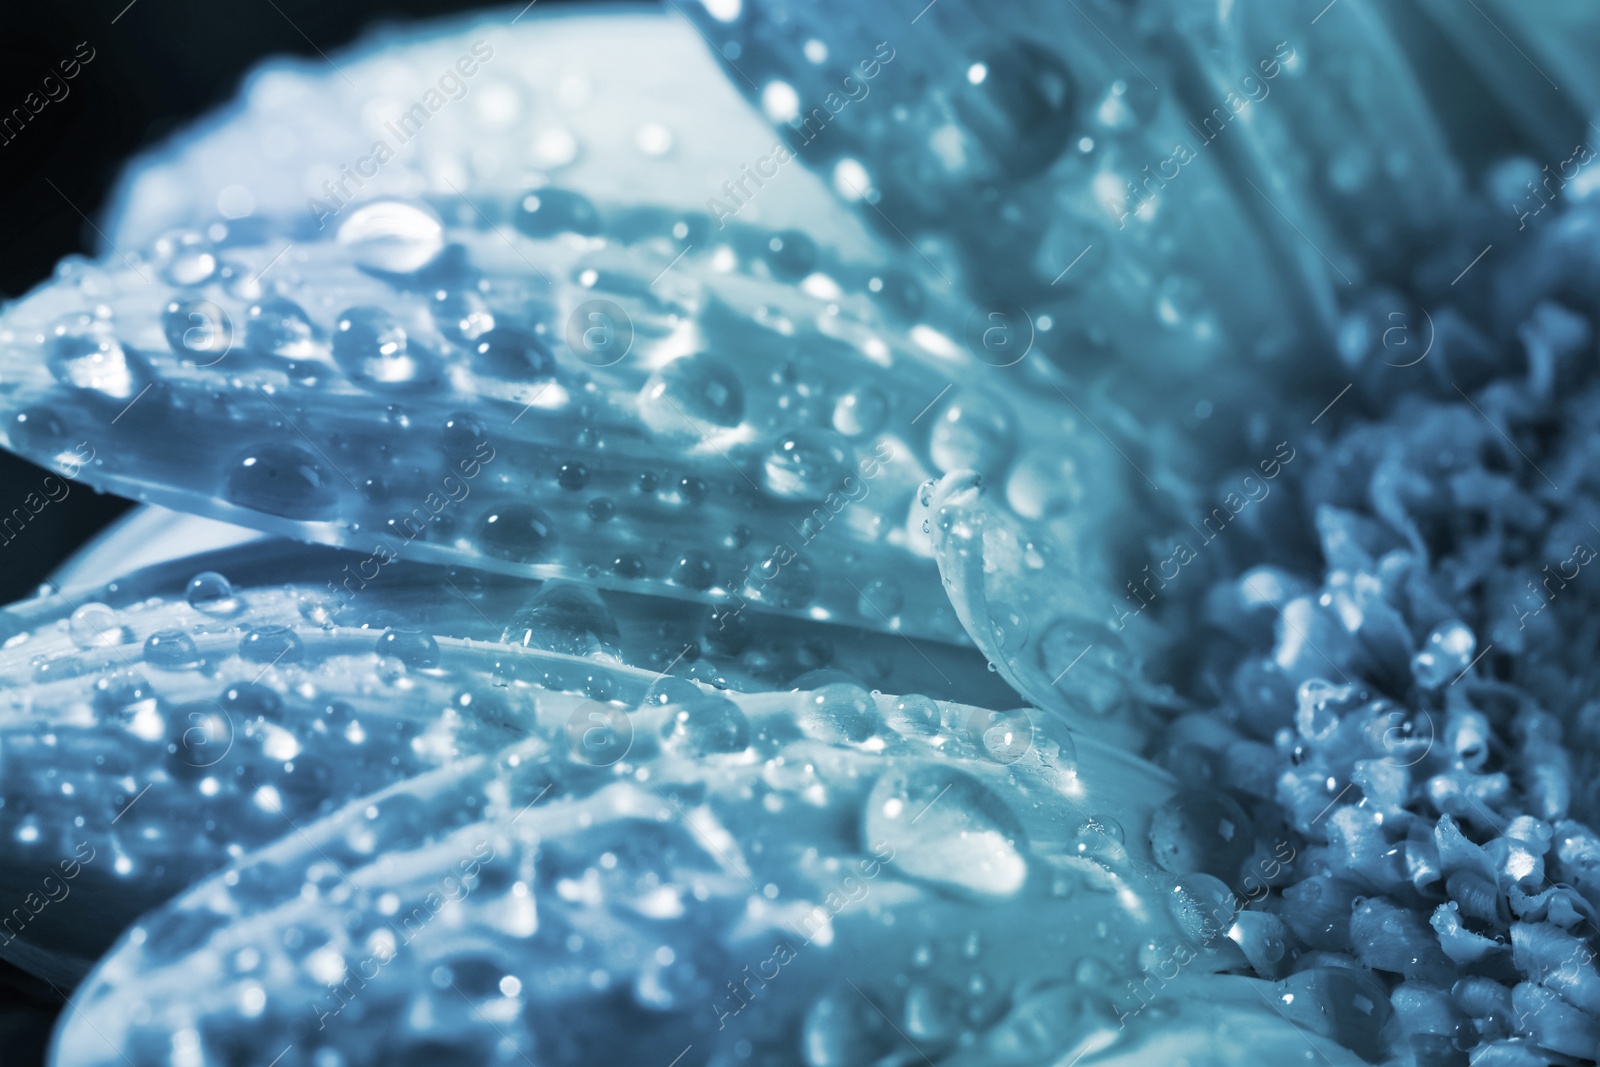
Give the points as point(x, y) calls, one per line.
point(694, 395)
point(947, 828)
point(392, 236)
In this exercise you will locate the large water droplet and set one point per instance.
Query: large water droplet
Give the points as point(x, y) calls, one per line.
point(569, 618)
point(282, 480)
point(947, 828)
point(392, 236)
point(371, 346)
point(1023, 108)
point(1201, 831)
point(212, 594)
point(694, 395)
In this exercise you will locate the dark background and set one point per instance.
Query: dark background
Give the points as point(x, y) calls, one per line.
point(161, 64)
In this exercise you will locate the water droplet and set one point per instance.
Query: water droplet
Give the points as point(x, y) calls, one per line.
point(693, 396)
point(186, 259)
point(95, 625)
point(572, 476)
point(517, 532)
point(860, 412)
point(372, 348)
point(1202, 831)
point(947, 828)
point(700, 722)
point(95, 362)
point(836, 711)
point(1203, 907)
point(211, 594)
point(845, 1029)
point(601, 509)
point(462, 434)
point(805, 465)
point(550, 211)
point(695, 570)
point(461, 315)
point(271, 644)
point(880, 598)
point(509, 353)
point(792, 255)
point(392, 236)
point(198, 330)
point(171, 650)
point(569, 618)
point(1024, 109)
point(282, 480)
point(975, 431)
point(414, 648)
point(280, 329)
